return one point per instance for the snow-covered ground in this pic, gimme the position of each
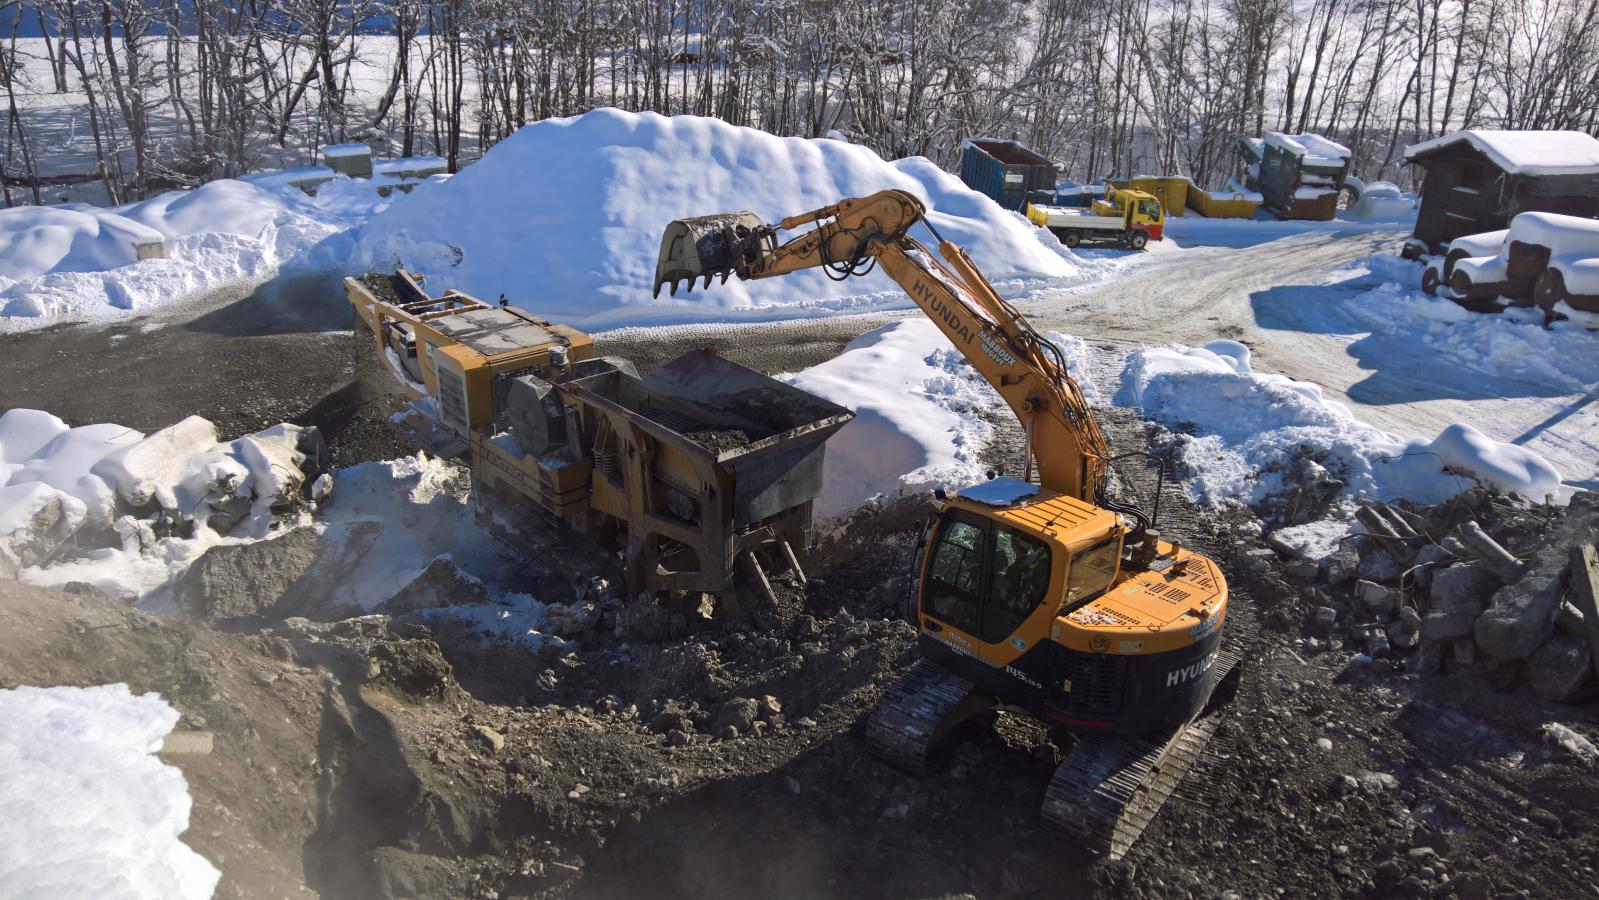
(87, 812)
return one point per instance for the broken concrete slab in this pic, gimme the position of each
(1376, 598)
(1439, 626)
(1340, 565)
(1523, 614)
(1463, 588)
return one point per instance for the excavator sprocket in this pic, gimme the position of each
(918, 711)
(1109, 787)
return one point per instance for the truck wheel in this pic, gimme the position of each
(1071, 237)
(1430, 280)
(1137, 240)
(1548, 291)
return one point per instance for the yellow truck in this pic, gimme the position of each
(1130, 218)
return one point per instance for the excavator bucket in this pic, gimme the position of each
(703, 247)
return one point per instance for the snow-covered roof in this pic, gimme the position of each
(1524, 152)
(1312, 149)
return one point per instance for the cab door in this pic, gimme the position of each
(983, 581)
(955, 579)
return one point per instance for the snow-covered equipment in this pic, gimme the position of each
(1299, 176)
(1542, 259)
(689, 470)
(1130, 218)
(1039, 594)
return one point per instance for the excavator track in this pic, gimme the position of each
(918, 711)
(1110, 787)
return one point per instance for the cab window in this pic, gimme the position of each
(1020, 566)
(955, 579)
(1150, 209)
(1091, 572)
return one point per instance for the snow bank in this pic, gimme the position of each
(80, 262)
(85, 503)
(86, 809)
(918, 416)
(1524, 152)
(565, 217)
(1563, 356)
(1248, 428)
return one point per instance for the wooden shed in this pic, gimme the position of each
(1299, 176)
(1478, 181)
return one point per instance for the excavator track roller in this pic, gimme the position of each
(918, 711)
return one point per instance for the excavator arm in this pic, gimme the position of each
(849, 238)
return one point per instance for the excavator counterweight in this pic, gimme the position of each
(1039, 594)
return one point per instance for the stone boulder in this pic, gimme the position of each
(738, 713)
(292, 574)
(234, 581)
(1560, 668)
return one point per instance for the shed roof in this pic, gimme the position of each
(1523, 152)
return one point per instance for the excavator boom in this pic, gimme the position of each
(850, 237)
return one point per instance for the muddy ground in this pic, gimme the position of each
(378, 757)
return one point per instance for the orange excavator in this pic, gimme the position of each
(1038, 594)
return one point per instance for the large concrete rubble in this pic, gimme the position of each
(1485, 582)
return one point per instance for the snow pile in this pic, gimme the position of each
(1249, 429)
(124, 511)
(36, 240)
(565, 217)
(422, 514)
(86, 809)
(1506, 347)
(1523, 152)
(919, 415)
(1380, 201)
